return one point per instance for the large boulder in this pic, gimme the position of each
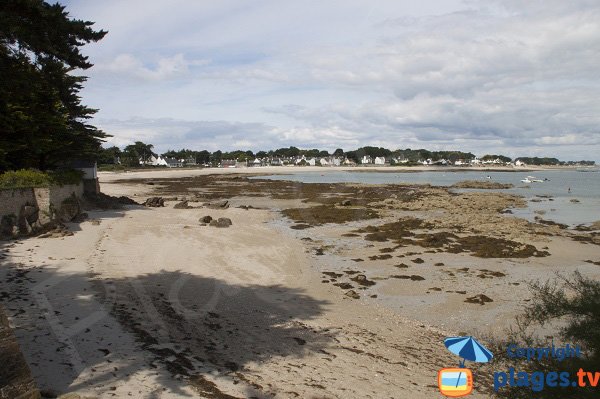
(155, 202)
(221, 222)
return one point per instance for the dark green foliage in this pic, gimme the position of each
(109, 156)
(538, 161)
(134, 153)
(42, 120)
(489, 157)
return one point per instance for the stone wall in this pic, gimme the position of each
(25, 210)
(15, 377)
(11, 201)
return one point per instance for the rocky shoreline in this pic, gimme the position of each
(311, 285)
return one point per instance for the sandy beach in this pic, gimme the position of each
(147, 302)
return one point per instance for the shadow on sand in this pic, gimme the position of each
(181, 331)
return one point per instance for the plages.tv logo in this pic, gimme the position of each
(455, 382)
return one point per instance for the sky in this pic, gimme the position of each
(520, 78)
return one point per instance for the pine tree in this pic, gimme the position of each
(42, 121)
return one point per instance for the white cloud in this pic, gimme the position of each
(164, 68)
(502, 75)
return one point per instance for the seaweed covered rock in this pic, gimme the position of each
(182, 205)
(221, 222)
(154, 202)
(206, 219)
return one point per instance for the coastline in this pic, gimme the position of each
(245, 310)
(142, 173)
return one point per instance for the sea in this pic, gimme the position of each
(568, 196)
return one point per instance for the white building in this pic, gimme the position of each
(379, 160)
(366, 159)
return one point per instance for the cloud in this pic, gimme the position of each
(500, 75)
(129, 66)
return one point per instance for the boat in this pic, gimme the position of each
(532, 179)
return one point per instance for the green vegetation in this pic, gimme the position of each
(538, 161)
(27, 178)
(489, 157)
(573, 304)
(42, 120)
(132, 154)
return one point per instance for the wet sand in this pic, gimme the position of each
(146, 302)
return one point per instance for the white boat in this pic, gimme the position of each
(532, 179)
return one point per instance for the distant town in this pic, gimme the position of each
(142, 154)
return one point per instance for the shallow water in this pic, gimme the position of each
(584, 187)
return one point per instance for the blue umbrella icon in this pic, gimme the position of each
(469, 349)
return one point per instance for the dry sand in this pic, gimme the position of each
(147, 303)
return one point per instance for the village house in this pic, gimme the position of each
(173, 163)
(379, 161)
(366, 159)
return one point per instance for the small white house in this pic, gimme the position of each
(366, 159)
(519, 163)
(323, 162)
(312, 162)
(89, 169)
(379, 160)
(173, 163)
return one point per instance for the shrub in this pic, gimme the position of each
(573, 304)
(28, 178)
(24, 178)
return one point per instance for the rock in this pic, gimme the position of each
(154, 202)
(485, 184)
(224, 204)
(31, 213)
(7, 224)
(205, 219)
(221, 222)
(69, 209)
(362, 280)
(123, 200)
(344, 286)
(182, 205)
(24, 227)
(352, 294)
(103, 201)
(49, 393)
(346, 203)
(480, 299)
